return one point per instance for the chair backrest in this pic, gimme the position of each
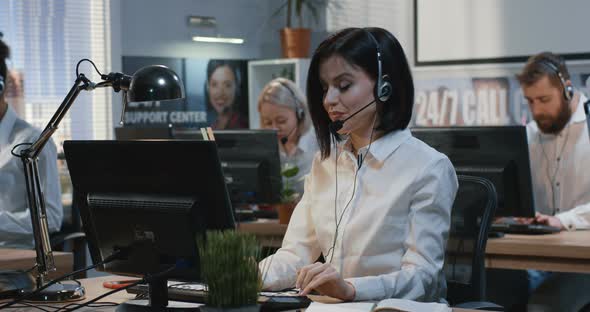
(471, 217)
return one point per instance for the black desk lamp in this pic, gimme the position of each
(150, 83)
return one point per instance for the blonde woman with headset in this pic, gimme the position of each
(282, 106)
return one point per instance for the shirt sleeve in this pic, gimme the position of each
(16, 225)
(577, 218)
(422, 264)
(300, 247)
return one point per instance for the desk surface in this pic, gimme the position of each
(23, 259)
(94, 288)
(560, 252)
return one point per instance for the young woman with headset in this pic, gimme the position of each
(377, 201)
(282, 106)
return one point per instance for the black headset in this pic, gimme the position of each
(568, 90)
(1, 84)
(299, 111)
(383, 88)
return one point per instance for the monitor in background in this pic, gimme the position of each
(151, 199)
(250, 161)
(143, 133)
(499, 154)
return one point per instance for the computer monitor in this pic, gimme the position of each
(151, 199)
(499, 154)
(142, 133)
(249, 158)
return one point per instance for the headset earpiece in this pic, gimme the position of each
(383, 88)
(568, 89)
(1, 84)
(299, 112)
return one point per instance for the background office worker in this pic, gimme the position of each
(559, 147)
(15, 220)
(377, 201)
(558, 143)
(282, 106)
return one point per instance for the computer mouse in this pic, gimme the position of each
(14, 282)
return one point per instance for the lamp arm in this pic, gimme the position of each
(36, 198)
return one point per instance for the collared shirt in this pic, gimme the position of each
(306, 148)
(15, 219)
(561, 185)
(392, 237)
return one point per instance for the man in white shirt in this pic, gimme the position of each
(558, 147)
(15, 219)
(558, 144)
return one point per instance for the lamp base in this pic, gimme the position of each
(144, 306)
(59, 293)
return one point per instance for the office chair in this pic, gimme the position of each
(471, 218)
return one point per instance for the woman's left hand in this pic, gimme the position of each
(323, 278)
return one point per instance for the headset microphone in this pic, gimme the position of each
(336, 125)
(285, 139)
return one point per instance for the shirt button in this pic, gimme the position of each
(558, 210)
(558, 158)
(557, 183)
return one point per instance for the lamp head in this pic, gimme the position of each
(155, 83)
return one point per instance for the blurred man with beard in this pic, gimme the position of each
(559, 150)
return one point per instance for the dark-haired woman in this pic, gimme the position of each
(377, 202)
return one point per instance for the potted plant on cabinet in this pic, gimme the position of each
(295, 41)
(289, 197)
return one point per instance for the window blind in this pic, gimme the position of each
(393, 15)
(47, 38)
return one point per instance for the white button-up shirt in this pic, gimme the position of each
(15, 218)
(561, 184)
(307, 146)
(392, 237)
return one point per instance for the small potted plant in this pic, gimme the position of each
(230, 270)
(289, 197)
(296, 41)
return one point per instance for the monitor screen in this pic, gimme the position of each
(249, 158)
(152, 199)
(499, 154)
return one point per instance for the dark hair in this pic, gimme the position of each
(233, 66)
(357, 48)
(4, 54)
(541, 65)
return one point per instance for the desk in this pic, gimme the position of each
(23, 259)
(560, 252)
(94, 288)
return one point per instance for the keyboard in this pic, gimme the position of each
(517, 228)
(197, 293)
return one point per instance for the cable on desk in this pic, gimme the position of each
(75, 306)
(108, 259)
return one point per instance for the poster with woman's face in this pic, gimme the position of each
(216, 94)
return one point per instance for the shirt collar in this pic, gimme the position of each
(385, 145)
(6, 125)
(579, 115)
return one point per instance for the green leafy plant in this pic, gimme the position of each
(288, 194)
(298, 7)
(229, 268)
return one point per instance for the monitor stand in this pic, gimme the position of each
(158, 300)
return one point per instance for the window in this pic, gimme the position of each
(47, 38)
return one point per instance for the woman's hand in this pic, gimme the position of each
(323, 278)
